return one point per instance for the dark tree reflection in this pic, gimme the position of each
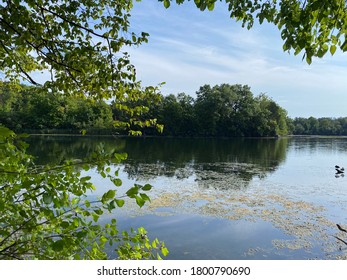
(222, 163)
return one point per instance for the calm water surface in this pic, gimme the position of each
(227, 198)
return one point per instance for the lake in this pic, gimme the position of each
(226, 198)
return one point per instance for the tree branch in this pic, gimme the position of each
(31, 80)
(341, 240)
(340, 228)
(72, 22)
(38, 50)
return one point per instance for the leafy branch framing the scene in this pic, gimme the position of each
(45, 212)
(47, 215)
(79, 41)
(314, 27)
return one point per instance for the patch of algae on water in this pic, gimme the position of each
(304, 222)
(164, 200)
(295, 244)
(222, 190)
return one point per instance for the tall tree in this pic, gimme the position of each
(177, 115)
(207, 107)
(225, 110)
(271, 120)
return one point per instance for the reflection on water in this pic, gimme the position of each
(228, 198)
(211, 160)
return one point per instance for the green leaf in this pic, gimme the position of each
(147, 187)
(120, 202)
(22, 213)
(47, 198)
(5, 132)
(139, 201)
(103, 239)
(58, 245)
(117, 182)
(203, 6)
(145, 197)
(109, 195)
(210, 6)
(81, 234)
(85, 179)
(98, 211)
(166, 4)
(86, 167)
(111, 206)
(344, 46)
(75, 223)
(132, 192)
(87, 203)
(120, 157)
(64, 224)
(164, 251)
(95, 217)
(332, 49)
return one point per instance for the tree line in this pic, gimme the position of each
(25, 108)
(219, 111)
(319, 126)
(223, 111)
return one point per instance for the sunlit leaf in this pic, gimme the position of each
(164, 251)
(166, 3)
(120, 202)
(332, 49)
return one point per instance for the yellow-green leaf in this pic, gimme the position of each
(332, 49)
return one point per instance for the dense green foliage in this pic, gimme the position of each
(319, 126)
(312, 26)
(222, 110)
(29, 108)
(78, 42)
(45, 211)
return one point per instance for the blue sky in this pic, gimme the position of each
(188, 48)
